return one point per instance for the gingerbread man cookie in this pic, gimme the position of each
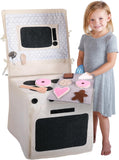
(80, 96)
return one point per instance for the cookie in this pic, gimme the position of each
(59, 92)
(86, 76)
(43, 82)
(65, 82)
(80, 96)
(83, 84)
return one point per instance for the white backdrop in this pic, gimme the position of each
(9, 146)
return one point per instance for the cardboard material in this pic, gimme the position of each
(23, 116)
(33, 119)
(45, 58)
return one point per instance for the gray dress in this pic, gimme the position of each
(95, 55)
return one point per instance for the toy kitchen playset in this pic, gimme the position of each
(50, 108)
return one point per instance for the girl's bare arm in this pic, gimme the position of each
(80, 58)
(111, 59)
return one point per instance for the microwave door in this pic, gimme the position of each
(36, 37)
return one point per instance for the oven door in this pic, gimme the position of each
(61, 132)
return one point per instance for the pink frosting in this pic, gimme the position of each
(59, 92)
(83, 83)
(43, 82)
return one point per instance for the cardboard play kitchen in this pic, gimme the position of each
(50, 108)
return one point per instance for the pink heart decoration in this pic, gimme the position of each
(59, 92)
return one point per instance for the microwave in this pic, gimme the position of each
(32, 37)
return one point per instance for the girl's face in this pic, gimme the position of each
(98, 20)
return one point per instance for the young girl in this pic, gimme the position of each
(97, 52)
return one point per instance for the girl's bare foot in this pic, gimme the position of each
(106, 148)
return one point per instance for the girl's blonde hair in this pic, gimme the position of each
(90, 9)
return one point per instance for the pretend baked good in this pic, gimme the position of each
(68, 75)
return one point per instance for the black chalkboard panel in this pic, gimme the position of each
(36, 37)
(61, 132)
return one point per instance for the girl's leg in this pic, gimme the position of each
(104, 126)
(95, 122)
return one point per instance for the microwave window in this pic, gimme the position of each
(36, 37)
